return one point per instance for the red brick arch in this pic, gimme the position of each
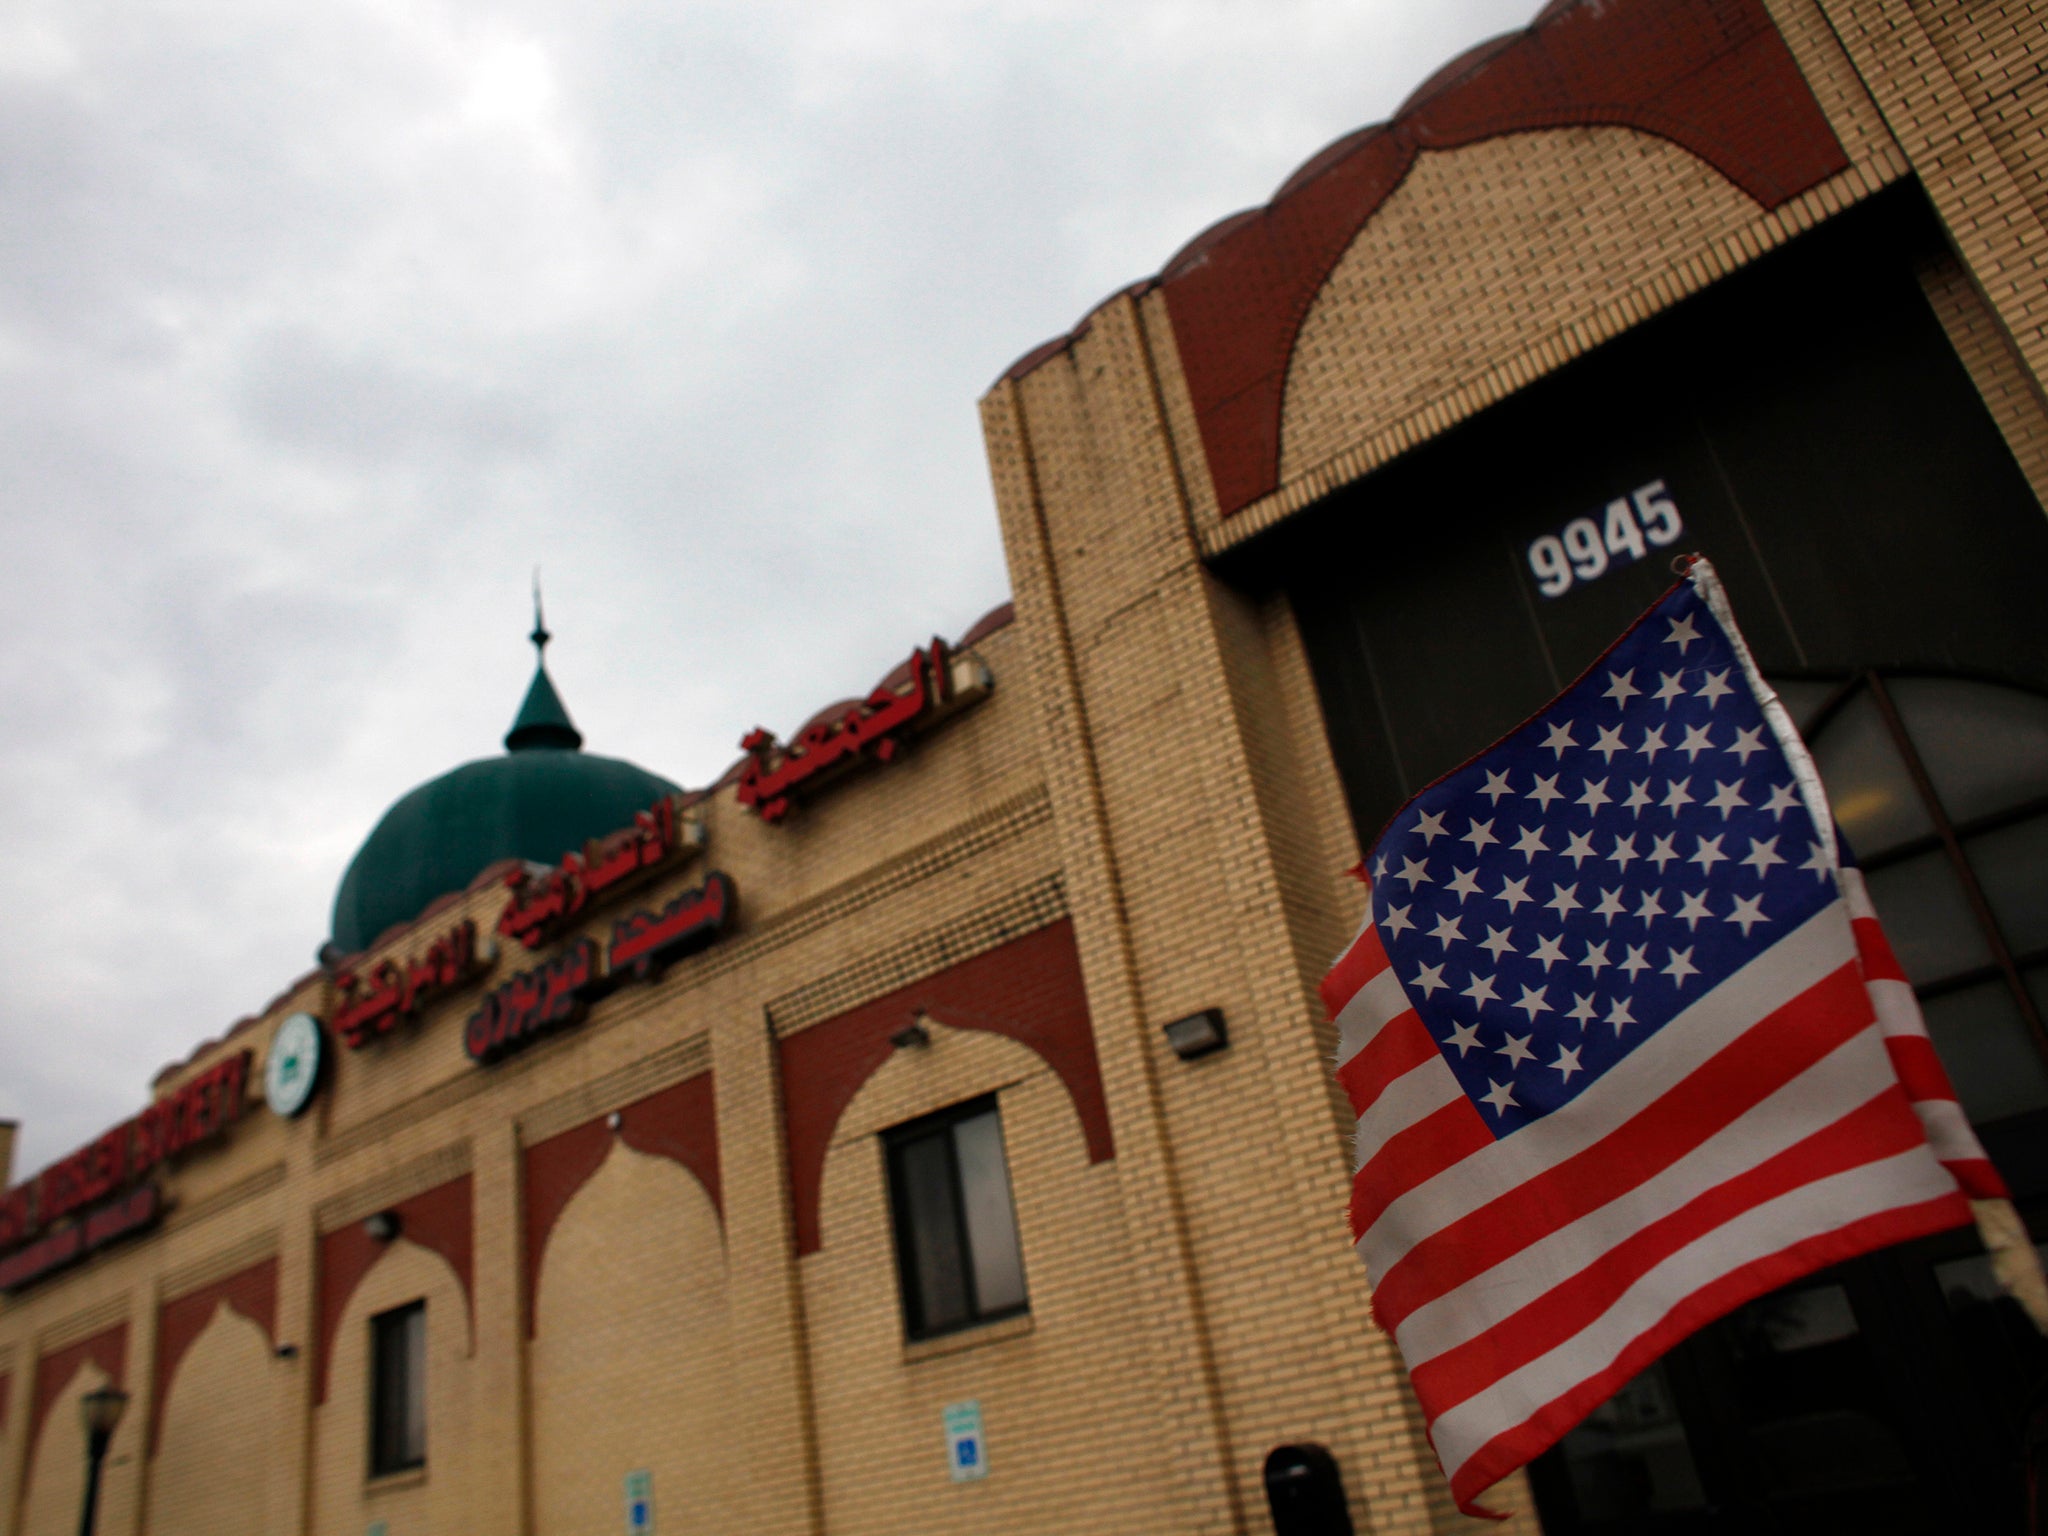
(1711, 76)
(679, 1123)
(251, 1292)
(1029, 990)
(438, 1219)
(108, 1350)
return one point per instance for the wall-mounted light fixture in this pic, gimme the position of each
(382, 1227)
(286, 1352)
(614, 1121)
(912, 1036)
(1198, 1034)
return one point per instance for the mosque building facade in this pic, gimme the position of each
(929, 1126)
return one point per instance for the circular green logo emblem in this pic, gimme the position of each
(293, 1070)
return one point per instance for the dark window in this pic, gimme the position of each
(398, 1389)
(956, 1230)
(1940, 785)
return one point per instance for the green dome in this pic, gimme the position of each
(543, 798)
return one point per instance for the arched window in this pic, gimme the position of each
(1941, 786)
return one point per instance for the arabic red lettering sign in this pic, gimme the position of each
(542, 906)
(534, 1003)
(870, 731)
(197, 1112)
(394, 991)
(648, 941)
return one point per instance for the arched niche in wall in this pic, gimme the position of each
(679, 1123)
(1029, 989)
(439, 1220)
(631, 1354)
(207, 1471)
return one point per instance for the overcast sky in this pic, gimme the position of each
(322, 324)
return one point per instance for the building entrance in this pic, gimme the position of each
(1809, 426)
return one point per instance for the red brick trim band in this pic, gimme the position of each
(679, 1123)
(107, 1350)
(251, 1292)
(438, 1219)
(1029, 989)
(1712, 76)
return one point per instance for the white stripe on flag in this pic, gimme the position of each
(1853, 1073)
(1794, 1217)
(1371, 1008)
(1816, 949)
(1415, 1094)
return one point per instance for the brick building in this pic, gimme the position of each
(890, 1153)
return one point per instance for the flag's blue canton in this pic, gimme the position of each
(1555, 903)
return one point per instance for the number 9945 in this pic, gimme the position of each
(1587, 548)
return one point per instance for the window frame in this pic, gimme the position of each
(398, 1400)
(913, 1305)
(1947, 837)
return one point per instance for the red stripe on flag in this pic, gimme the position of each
(1875, 950)
(1748, 1069)
(1403, 1044)
(1550, 1423)
(1365, 959)
(1979, 1179)
(1913, 1059)
(1879, 1129)
(1437, 1141)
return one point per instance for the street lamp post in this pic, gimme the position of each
(101, 1409)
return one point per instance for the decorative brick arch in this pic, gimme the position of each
(252, 1292)
(679, 1123)
(107, 1350)
(1712, 76)
(438, 1219)
(1029, 990)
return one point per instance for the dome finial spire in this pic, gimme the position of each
(542, 721)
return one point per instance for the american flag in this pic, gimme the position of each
(1626, 1045)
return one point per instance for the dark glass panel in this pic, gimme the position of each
(1985, 747)
(2011, 865)
(1928, 918)
(929, 1232)
(1630, 1457)
(398, 1402)
(1869, 789)
(1812, 1402)
(1990, 1056)
(991, 1216)
(1804, 698)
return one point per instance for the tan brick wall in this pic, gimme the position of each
(1070, 1441)
(442, 1496)
(1998, 54)
(1203, 839)
(631, 1358)
(2012, 396)
(208, 1475)
(1952, 83)
(1482, 254)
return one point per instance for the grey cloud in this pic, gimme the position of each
(319, 326)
